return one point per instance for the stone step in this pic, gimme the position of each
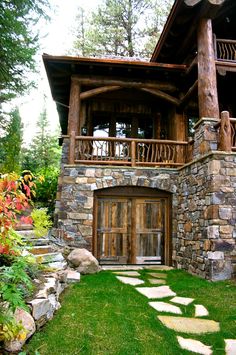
(50, 257)
(41, 249)
(37, 241)
(23, 227)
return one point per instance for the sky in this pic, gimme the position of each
(56, 39)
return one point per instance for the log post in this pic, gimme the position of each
(72, 148)
(133, 153)
(207, 86)
(74, 109)
(225, 132)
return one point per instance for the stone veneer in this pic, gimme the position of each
(206, 216)
(203, 205)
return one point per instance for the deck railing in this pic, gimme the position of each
(225, 49)
(127, 151)
(227, 132)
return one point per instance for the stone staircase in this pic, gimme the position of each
(47, 253)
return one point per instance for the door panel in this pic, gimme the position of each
(150, 227)
(132, 230)
(113, 229)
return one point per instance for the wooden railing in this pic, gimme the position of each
(127, 151)
(227, 132)
(225, 49)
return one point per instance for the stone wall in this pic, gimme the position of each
(203, 204)
(206, 216)
(74, 206)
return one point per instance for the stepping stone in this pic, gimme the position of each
(130, 280)
(156, 292)
(200, 311)
(190, 325)
(158, 267)
(157, 275)
(165, 307)
(182, 300)
(195, 346)
(230, 346)
(127, 273)
(157, 282)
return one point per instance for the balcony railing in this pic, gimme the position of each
(127, 151)
(225, 49)
(227, 132)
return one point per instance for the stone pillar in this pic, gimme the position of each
(205, 137)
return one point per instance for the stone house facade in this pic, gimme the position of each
(134, 187)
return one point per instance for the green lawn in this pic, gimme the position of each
(100, 315)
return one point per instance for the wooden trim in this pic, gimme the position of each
(72, 148)
(162, 95)
(74, 108)
(90, 93)
(100, 81)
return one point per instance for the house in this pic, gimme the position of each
(148, 172)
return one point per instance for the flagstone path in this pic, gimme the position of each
(180, 324)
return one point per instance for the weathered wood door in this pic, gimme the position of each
(132, 230)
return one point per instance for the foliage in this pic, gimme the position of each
(11, 143)
(12, 201)
(14, 285)
(41, 221)
(121, 28)
(9, 328)
(18, 43)
(46, 190)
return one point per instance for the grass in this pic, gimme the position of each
(100, 315)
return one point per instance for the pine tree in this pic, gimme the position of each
(121, 28)
(10, 144)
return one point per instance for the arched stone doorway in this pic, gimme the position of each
(132, 225)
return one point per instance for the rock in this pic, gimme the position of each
(230, 346)
(157, 281)
(156, 292)
(128, 273)
(195, 346)
(29, 328)
(130, 280)
(200, 311)
(165, 307)
(83, 261)
(40, 307)
(190, 325)
(182, 300)
(73, 276)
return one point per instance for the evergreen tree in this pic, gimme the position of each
(11, 142)
(43, 153)
(121, 28)
(18, 43)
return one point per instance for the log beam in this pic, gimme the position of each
(74, 108)
(97, 81)
(162, 95)
(94, 92)
(207, 86)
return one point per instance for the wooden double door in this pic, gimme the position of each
(132, 228)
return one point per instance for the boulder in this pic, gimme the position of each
(28, 323)
(83, 261)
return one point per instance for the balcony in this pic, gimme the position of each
(128, 151)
